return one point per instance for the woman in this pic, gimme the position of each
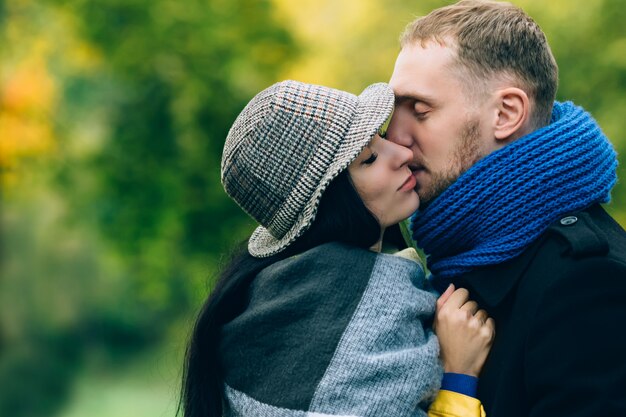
(310, 318)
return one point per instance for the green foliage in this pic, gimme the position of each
(133, 217)
(176, 74)
(592, 68)
(114, 234)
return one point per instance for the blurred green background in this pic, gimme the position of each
(112, 119)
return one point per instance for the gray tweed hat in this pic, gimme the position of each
(287, 145)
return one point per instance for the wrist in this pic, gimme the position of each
(448, 369)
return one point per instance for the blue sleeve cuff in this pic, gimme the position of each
(461, 383)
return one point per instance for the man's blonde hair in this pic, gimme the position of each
(493, 41)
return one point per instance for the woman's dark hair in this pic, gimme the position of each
(341, 217)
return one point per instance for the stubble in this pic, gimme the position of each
(465, 155)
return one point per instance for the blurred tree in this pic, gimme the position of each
(348, 44)
(112, 121)
(588, 40)
(175, 76)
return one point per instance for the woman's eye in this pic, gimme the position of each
(371, 159)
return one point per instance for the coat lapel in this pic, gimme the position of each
(490, 285)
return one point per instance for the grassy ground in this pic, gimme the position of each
(146, 386)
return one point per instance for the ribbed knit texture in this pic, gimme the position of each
(382, 358)
(387, 362)
(506, 200)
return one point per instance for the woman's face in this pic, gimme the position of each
(384, 181)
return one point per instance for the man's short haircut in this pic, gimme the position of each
(493, 41)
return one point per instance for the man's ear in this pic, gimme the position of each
(512, 114)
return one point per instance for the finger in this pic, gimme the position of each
(491, 324)
(458, 298)
(470, 306)
(489, 330)
(482, 316)
(446, 294)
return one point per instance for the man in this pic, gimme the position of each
(510, 184)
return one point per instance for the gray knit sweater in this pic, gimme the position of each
(335, 331)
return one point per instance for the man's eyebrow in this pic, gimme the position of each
(403, 98)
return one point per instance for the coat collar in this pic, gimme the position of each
(492, 283)
(580, 238)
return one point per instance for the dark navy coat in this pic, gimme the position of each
(560, 312)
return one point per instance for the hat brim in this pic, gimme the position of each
(374, 106)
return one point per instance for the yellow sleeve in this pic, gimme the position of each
(453, 404)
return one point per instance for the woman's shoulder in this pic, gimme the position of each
(326, 266)
(338, 270)
(336, 251)
(338, 261)
(339, 254)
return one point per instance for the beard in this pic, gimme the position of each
(465, 155)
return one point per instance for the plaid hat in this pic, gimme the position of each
(287, 145)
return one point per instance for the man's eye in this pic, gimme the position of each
(371, 159)
(420, 110)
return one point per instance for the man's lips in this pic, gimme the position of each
(415, 171)
(416, 167)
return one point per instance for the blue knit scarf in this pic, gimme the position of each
(507, 199)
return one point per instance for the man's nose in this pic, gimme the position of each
(402, 155)
(397, 132)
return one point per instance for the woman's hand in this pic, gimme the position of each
(465, 332)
